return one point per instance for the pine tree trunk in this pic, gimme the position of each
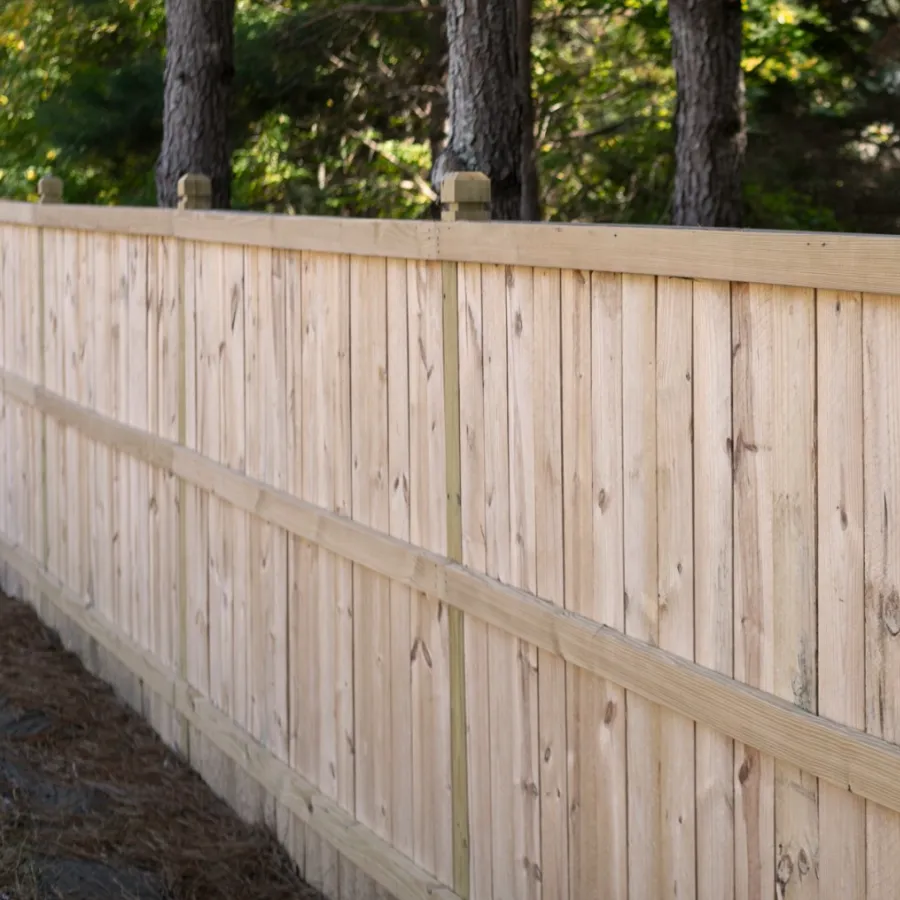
(531, 204)
(489, 100)
(198, 78)
(710, 130)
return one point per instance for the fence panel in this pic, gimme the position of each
(881, 478)
(21, 511)
(237, 466)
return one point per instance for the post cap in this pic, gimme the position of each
(466, 197)
(194, 192)
(466, 187)
(50, 189)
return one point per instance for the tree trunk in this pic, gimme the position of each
(710, 129)
(198, 77)
(489, 100)
(530, 210)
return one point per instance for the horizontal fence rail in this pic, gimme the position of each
(476, 578)
(793, 258)
(845, 757)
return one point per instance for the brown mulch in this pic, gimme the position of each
(94, 805)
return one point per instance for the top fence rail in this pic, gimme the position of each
(858, 263)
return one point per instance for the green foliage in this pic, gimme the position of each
(335, 109)
(604, 94)
(82, 96)
(339, 107)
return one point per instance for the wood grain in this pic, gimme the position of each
(713, 577)
(754, 577)
(639, 448)
(795, 258)
(675, 481)
(266, 406)
(474, 549)
(163, 336)
(550, 555)
(195, 551)
(52, 352)
(521, 678)
(101, 482)
(881, 428)
(865, 764)
(670, 532)
(300, 557)
(794, 571)
(594, 707)
(371, 506)
(217, 347)
(429, 654)
(841, 585)
(459, 763)
(7, 312)
(324, 694)
(318, 812)
(401, 715)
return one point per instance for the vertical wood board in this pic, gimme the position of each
(841, 567)
(431, 763)
(713, 577)
(675, 591)
(370, 491)
(881, 473)
(522, 345)
(639, 440)
(754, 623)
(472, 481)
(549, 566)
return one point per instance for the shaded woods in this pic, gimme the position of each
(342, 107)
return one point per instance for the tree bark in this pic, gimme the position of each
(489, 101)
(198, 78)
(530, 203)
(710, 125)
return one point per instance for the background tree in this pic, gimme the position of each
(339, 107)
(531, 198)
(197, 97)
(489, 100)
(710, 135)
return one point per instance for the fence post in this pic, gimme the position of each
(465, 196)
(194, 192)
(50, 191)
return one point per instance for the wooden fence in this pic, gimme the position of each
(480, 560)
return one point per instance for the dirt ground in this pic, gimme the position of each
(94, 806)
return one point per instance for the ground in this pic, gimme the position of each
(93, 806)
